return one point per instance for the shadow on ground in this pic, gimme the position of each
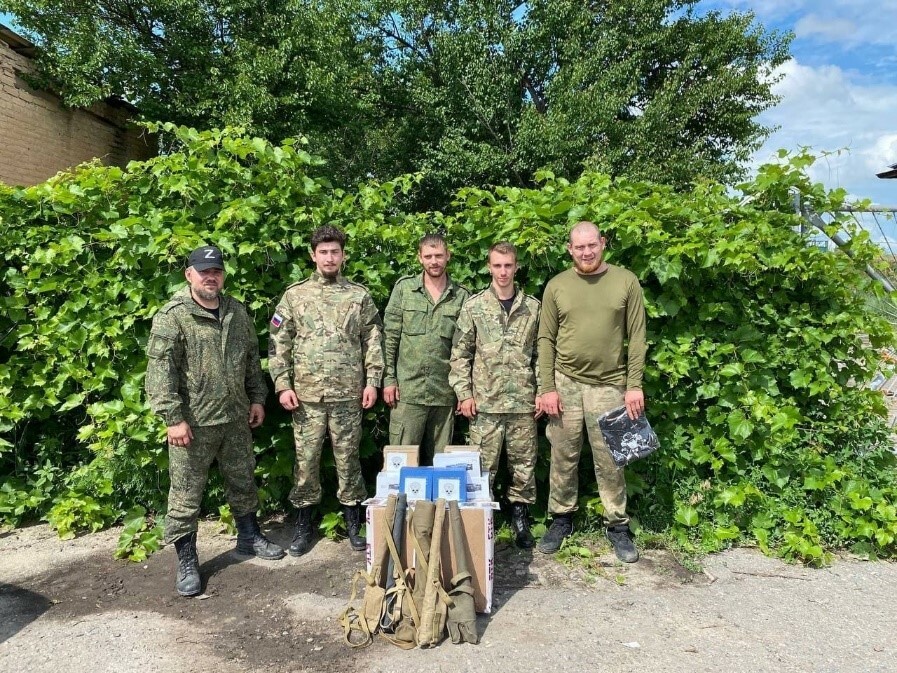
(18, 608)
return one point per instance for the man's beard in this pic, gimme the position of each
(587, 267)
(207, 294)
(330, 275)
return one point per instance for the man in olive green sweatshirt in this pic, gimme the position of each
(591, 358)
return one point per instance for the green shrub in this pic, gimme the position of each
(755, 364)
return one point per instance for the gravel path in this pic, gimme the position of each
(68, 606)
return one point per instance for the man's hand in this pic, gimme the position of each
(635, 403)
(540, 410)
(391, 396)
(256, 415)
(467, 408)
(180, 434)
(288, 399)
(552, 405)
(368, 397)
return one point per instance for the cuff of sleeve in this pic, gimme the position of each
(173, 418)
(547, 389)
(374, 381)
(259, 401)
(281, 384)
(633, 385)
(390, 381)
(464, 394)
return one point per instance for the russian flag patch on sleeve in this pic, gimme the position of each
(277, 320)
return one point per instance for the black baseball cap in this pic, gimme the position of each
(206, 257)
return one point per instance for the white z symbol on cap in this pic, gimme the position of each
(210, 254)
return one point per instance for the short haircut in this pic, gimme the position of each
(433, 239)
(502, 248)
(579, 226)
(327, 234)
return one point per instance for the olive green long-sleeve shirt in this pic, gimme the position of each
(325, 340)
(418, 340)
(494, 353)
(592, 329)
(203, 370)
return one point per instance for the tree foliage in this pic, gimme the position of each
(755, 368)
(468, 93)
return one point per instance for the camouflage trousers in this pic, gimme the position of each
(310, 423)
(428, 427)
(583, 404)
(188, 467)
(518, 433)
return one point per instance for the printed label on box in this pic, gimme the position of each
(397, 456)
(478, 489)
(460, 460)
(387, 482)
(449, 488)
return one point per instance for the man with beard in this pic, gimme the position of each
(326, 360)
(591, 359)
(419, 323)
(204, 379)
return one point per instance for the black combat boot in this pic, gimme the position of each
(561, 528)
(520, 525)
(302, 538)
(621, 538)
(251, 541)
(352, 514)
(188, 582)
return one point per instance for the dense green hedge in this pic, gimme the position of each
(755, 347)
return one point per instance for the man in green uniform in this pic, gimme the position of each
(204, 379)
(591, 359)
(419, 323)
(493, 373)
(326, 359)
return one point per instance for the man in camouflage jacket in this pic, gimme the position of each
(326, 359)
(204, 379)
(419, 323)
(493, 373)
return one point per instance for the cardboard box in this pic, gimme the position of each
(478, 490)
(416, 482)
(479, 541)
(455, 448)
(449, 484)
(387, 483)
(395, 457)
(460, 460)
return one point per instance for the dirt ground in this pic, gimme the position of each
(70, 606)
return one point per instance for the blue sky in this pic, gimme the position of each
(839, 92)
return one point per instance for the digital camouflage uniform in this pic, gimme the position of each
(205, 372)
(494, 361)
(417, 346)
(326, 346)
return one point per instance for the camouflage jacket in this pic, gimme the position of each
(494, 353)
(325, 340)
(418, 340)
(202, 370)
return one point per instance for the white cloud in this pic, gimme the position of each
(850, 24)
(830, 109)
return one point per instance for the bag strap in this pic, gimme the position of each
(400, 576)
(352, 620)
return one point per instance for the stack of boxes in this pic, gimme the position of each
(456, 474)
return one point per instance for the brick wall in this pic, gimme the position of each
(40, 137)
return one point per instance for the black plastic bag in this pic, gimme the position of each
(627, 440)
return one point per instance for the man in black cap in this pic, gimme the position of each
(205, 380)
